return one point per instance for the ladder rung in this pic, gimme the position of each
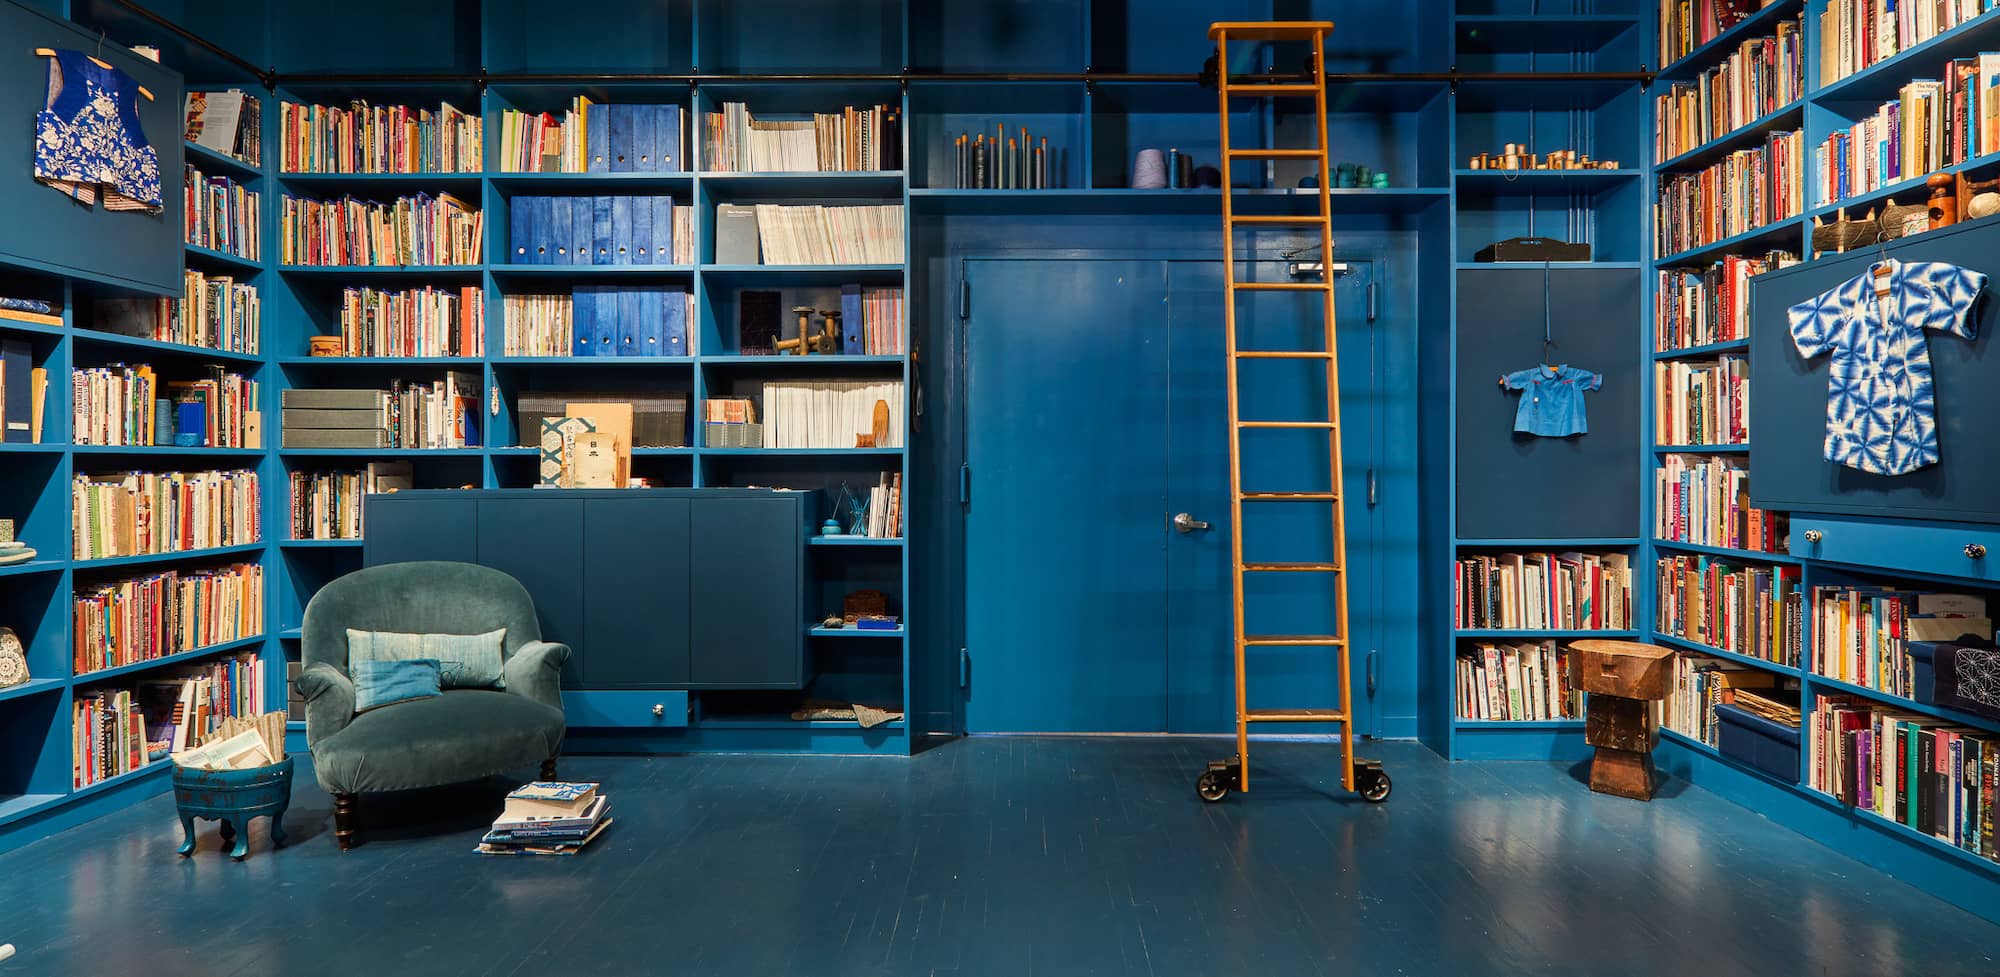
(1291, 568)
(1292, 640)
(1282, 354)
(1280, 286)
(1313, 425)
(1290, 497)
(1272, 152)
(1272, 89)
(1291, 219)
(1294, 716)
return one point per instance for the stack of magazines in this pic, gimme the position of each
(548, 818)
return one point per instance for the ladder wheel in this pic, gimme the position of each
(1212, 786)
(1372, 783)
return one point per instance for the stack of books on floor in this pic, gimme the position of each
(548, 818)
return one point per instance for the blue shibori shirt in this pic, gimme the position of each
(1881, 410)
(1552, 399)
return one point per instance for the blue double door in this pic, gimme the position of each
(1096, 412)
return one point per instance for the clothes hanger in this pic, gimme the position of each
(100, 62)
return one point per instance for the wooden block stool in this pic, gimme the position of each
(1623, 678)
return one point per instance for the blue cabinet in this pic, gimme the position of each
(653, 590)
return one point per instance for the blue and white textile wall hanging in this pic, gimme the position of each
(88, 138)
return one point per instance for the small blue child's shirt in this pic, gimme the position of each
(1552, 399)
(1881, 404)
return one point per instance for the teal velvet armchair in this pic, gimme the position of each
(460, 736)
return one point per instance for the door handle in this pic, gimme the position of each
(1187, 523)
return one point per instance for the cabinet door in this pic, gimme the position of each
(540, 543)
(635, 593)
(402, 528)
(748, 630)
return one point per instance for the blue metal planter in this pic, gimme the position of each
(234, 797)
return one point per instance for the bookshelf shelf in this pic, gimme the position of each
(632, 361)
(1683, 644)
(1523, 724)
(14, 807)
(213, 163)
(184, 657)
(765, 275)
(1879, 81)
(291, 634)
(1536, 266)
(1538, 633)
(24, 326)
(803, 452)
(1754, 556)
(1500, 183)
(400, 182)
(113, 562)
(320, 544)
(33, 566)
(559, 182)
(814, 184)
(1691, 352)
(381, 452)
(1196, 200)
(815, 361)
(1896, 829)
(1911, 705)
(33, 686)
(42, 448)
(166, 451)
(584, 272)
(91, 337)
(381, 271)
(1788, 234)
(211, 258)
(861, 541)
(854, 633)
(1701, 449)
(1689, 742)
(152, 769)
(439, 361)
(1761, 23)
(1583, 542)
(1784, 117)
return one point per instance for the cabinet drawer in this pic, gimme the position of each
(1948, 549)
(630, 710)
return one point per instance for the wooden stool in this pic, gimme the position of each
(1622, 677)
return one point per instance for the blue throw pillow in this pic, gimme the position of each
(466, 661)
(379, 683)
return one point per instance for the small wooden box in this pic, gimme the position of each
(1623, 668)
(1621, 724)
(1626, 773)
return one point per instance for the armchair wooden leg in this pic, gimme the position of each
(346, 827)
(549, 769)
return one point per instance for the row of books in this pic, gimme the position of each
(1857, 33)
(230, 122)
(1700, 306)
(1701, 683)
(865, 139)
(1705, 500)
(731, 422)
(620, 230)
(1519, 681)
(593, 137)
(1862, 635)
(214, 312)
(1760, 76)
(426, 321)
(831, 413)
(127, 405)
(1756, 611)
(1688, 24)
(1748, 189)
(364, 138)
(1930, 125)
(1926, 774)
(1545, 591)
(139, 513)
(419, 230)
(600, 320)
(1702, 402)
(885, 513)
(221, 215)
(816, 235)
(880, 312)
(130, 621)
(118, 731)
(440, 414)
(327, 505)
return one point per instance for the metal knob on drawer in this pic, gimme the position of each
(1975, 551)
(659, 709)
(1814, 536)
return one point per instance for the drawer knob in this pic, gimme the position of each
(1975, 551)
(1814, 536)
(659, 709)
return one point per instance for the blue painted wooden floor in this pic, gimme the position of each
(998, 857)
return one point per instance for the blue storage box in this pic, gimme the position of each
(1751, 739)
(1962, 675)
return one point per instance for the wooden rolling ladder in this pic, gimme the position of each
(1364, 776)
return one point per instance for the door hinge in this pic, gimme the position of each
(964, 668)
(1373, 309)
(1371, 488)
(964, 298)
(1373, 654)
(965, 485)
